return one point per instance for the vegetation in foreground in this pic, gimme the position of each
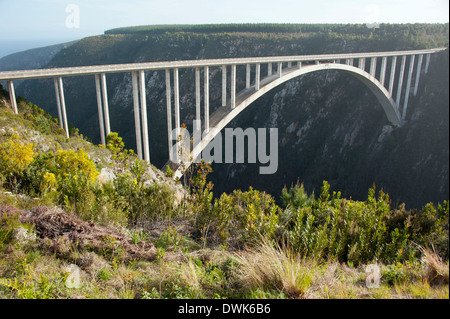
(135, 235)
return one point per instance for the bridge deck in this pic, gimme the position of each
(129, 67)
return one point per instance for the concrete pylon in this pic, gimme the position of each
(136, 109)
(99, 109)
(63, 106)
(12, 97)
(143, 100)
(169, 115)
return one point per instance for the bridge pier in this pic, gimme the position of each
(140, 114)
(233, 86)
(408, 86)
(144, 115)
(58, 103)
(12, 97)
(427, 63)
(99, 109)
(362, 64)
(169, 111)
(206, 97)
(247, 76)
(137, 120)
(269, 69)
(257, 76)
(400, 81)
(392, 77)
(373, 67)
(105, 104)
(176, 97)
(224, 85)
(419, 67)
(383, 70)
(63, 105)
(280, 69)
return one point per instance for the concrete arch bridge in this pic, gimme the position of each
(391, 86)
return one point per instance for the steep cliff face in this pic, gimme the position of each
(330, 125)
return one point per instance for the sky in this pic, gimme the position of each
(56, 21)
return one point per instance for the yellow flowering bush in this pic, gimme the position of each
(15, 156)
(69, 162)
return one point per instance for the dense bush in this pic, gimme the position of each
(359, 232)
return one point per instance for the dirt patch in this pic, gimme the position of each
(55, 224)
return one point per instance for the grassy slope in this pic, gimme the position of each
(181, 267)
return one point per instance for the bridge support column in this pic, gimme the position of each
(176, 97)
(408, 86)
(58, 102)
(144, 116)
(198, 101)
(224, 85)
(427, 63)
(206, 97)
(419, 67)
(99, 109)
(63, 105)
(233, 86)
(383, 70)
(137, 120)
(257, 76)
(105, 104)
(400, 81)
(247, 76)
(392, 77)
(169, 113)
(289, 65)
(269, 69)
(12, 97)
(280, 69)
(299, 64)
(373, 66)
(362, 64)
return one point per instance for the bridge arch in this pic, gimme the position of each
(224, 115)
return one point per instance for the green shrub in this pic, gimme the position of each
(240, 217)
(295, 197)
(357, 232)
(141, 201)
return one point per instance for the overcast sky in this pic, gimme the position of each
(73, 19)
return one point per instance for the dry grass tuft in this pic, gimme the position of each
(436, 270)
(269, 266)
